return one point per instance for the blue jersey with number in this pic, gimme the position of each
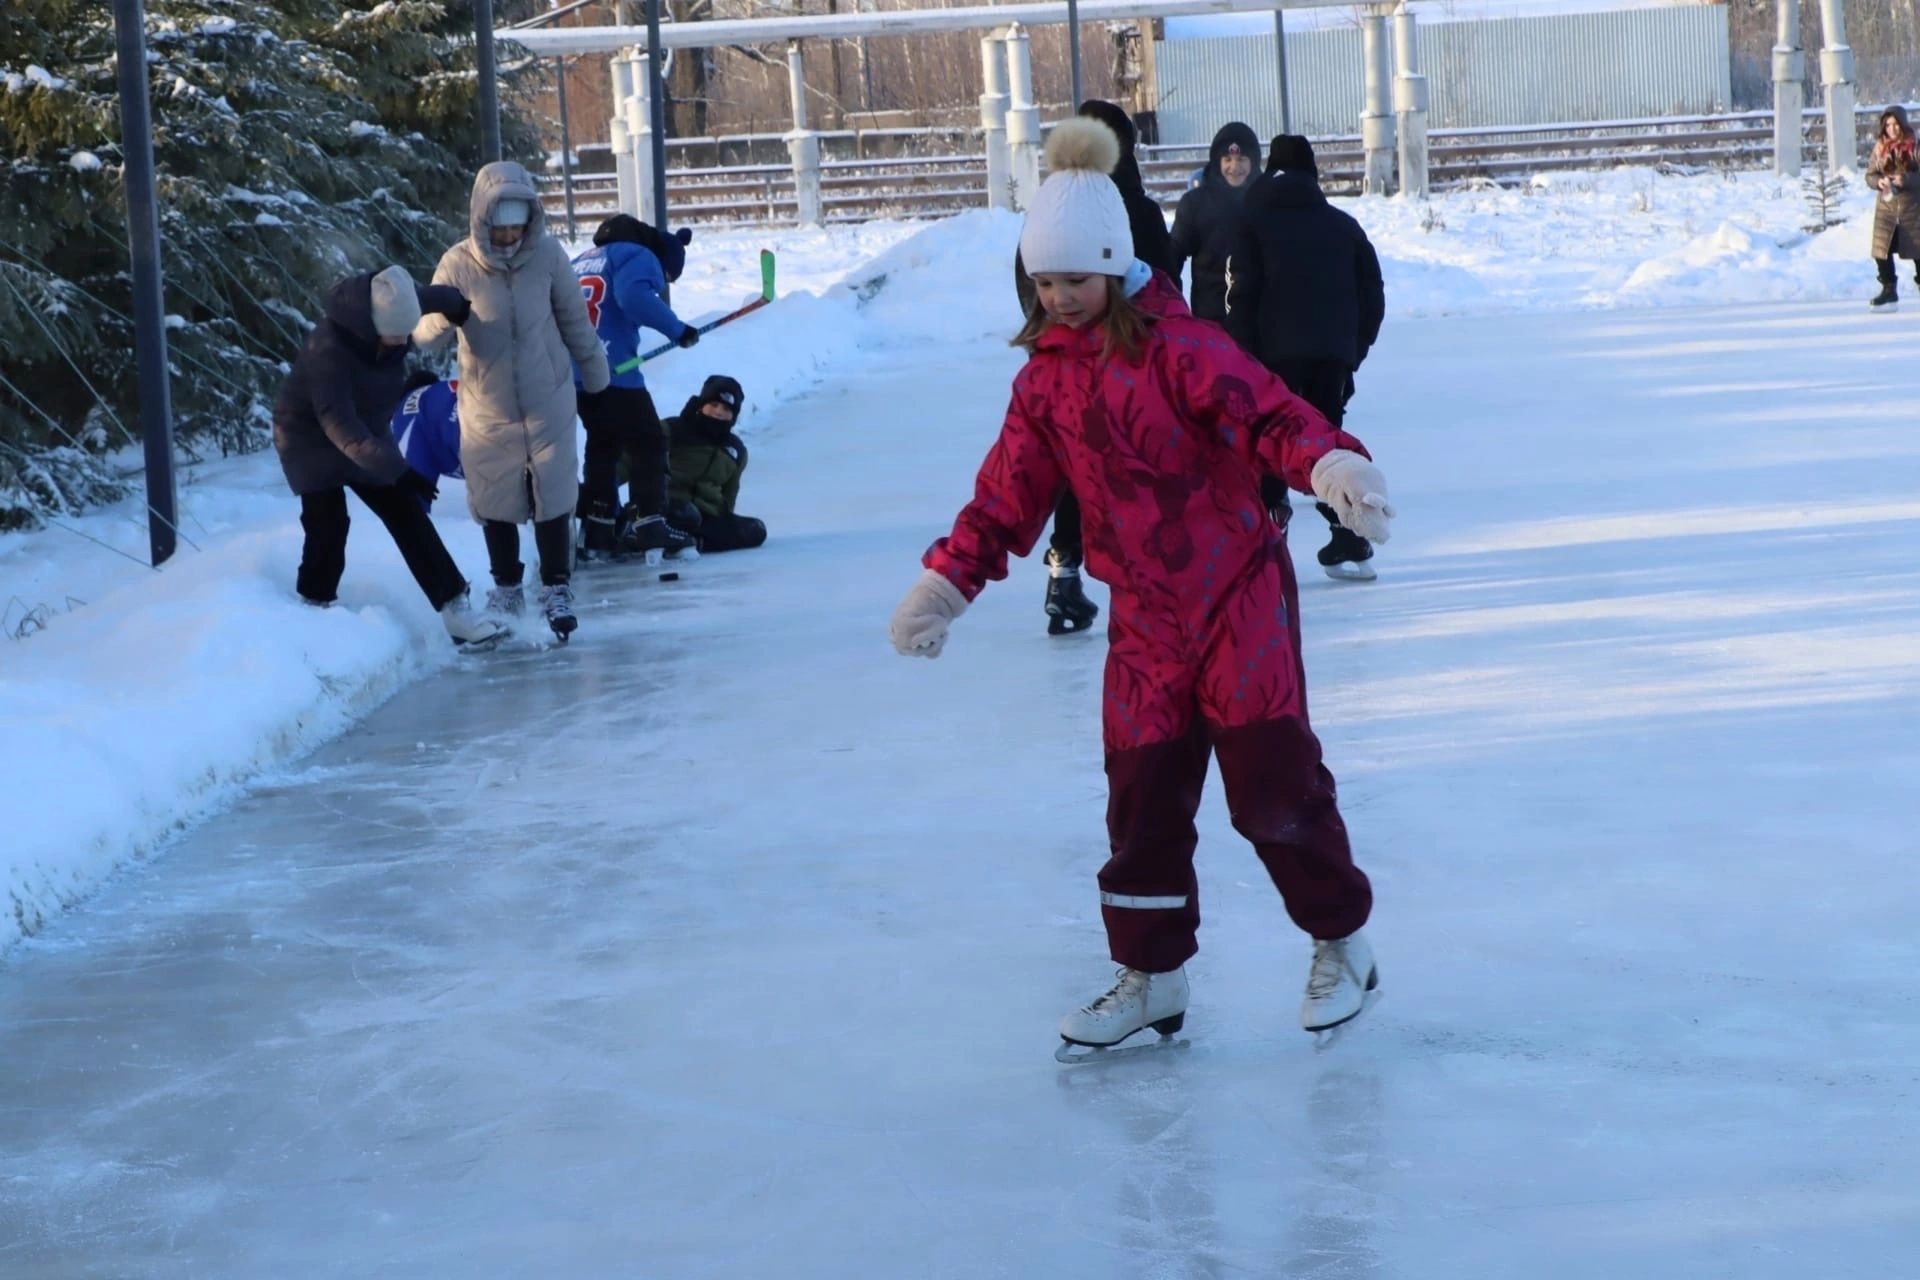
(622, 282)
(427, 428)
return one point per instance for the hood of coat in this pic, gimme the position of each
(1287, 189)
(1126, 174)
(1159, 300)
(504, 180)
(350, 312)
(1238, 135)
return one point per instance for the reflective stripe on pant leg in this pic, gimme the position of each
(1149, 898)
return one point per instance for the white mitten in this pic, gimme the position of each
(1356, 491)
(919, 626)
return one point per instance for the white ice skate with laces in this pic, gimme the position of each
(1342, 978)
(1136, 1001)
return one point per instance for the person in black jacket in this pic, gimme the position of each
(1067, 606)
(330, 428)
(1206, 223)
(1305, 298)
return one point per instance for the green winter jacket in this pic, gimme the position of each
(706, 461)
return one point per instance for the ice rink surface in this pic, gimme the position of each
(724, 943)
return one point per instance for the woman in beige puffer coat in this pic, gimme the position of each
(528, 329)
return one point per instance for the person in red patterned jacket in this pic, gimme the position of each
(1163, 426)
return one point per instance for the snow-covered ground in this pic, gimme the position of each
(150, 698)
(726, 943)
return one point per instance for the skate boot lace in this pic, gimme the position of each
(559, 599)
(1130, 980)
(1329, 968)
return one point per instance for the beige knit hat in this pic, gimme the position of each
(1078, 222)
(396, 303)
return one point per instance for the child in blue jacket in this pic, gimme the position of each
(427, 428)
(623, 277)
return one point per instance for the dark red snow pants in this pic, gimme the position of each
(1237, 690)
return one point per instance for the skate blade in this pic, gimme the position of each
(1884, 309)
(1351, 571)
(655, 557)
(1060, 624)
(1325, 1038)
(1073, 1054)
(487, 645)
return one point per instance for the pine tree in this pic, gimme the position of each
(296, 142)
(1824, 189)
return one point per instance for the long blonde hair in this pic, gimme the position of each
(1123, 325)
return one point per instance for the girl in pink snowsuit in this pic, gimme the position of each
(1163, 426)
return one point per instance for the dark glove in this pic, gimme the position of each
(689, 337)
(419, 486)
(460, 311)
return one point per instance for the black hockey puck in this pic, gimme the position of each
(669, 576)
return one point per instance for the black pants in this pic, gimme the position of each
(730, 533)
(552, 538)
(623, 420)
(324, 558)
(1068, 547)
(1327, 385)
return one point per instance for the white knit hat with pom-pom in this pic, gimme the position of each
(1078, 224)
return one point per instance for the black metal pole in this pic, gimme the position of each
(657, 114)
(1280, 53)
(143, 247)
(566, 145)
(1073, 50)
(489, 81)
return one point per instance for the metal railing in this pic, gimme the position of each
(932, 186)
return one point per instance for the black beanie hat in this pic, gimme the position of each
(671, 250)
(720, 389)
(1292, 153)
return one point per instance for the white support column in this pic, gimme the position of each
(1836, 72)
(993, 121)
(1023, 119)
(1789, 92)
(802, 144)
(1410, 103)
(640, 140)
(629, 190)
(1376, 116)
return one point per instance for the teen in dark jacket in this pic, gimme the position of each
(1207, 221)
(708, 460)
(330, 430)
(1305, 298)
(1152, 242)
(1067, 606)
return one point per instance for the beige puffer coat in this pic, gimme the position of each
(517, 351)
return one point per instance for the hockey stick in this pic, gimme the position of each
(766, 296)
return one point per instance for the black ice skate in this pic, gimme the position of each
(556, 603)
(654, 539)
(1888, 299)
(1068, 609)
(599, 538)
(1346, 557)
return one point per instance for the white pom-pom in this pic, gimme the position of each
(1082, 143)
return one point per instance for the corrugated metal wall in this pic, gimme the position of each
(1574, 67)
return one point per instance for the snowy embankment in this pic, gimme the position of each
(138, 700)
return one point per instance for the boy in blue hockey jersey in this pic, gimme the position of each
(623, 276)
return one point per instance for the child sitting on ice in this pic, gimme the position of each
(1163, 427)
(706, 463)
